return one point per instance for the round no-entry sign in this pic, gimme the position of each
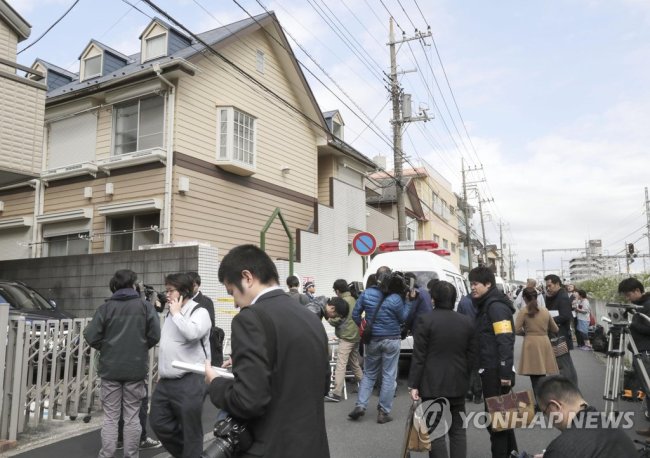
(364, 243)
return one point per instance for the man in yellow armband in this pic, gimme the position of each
(496, 339)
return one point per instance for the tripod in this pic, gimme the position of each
(619, 339)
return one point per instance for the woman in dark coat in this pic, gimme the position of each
(444, 349)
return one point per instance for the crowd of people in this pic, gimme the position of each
(463, 349)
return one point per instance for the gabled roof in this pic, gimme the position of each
(56, 69)
(19, 25)
(105, 48)
(329, 114)
(165, 25)
(212, 38)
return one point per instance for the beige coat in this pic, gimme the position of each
(537, 356)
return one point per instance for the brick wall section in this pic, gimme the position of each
(79, 284)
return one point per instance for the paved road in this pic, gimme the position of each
(367, 439)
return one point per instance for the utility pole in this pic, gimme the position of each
(647, 215)
(501, 245)
(511, 267)
(480, 209)
(468, 226)
(400, 117)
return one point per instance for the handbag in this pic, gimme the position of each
(416, 437)
(367, 330)
(592, 319)
(560, 346)
(512, 410)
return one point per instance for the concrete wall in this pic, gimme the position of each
(79, 284)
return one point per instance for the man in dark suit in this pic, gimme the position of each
(558, 304)
(216, 334)
(280, 362)
(444, 350)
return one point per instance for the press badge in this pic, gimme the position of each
(502, 327)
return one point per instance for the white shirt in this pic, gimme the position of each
(264, 291)
(181, 338)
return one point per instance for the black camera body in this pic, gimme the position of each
(394, 283)
(231, 437)
(151, 295)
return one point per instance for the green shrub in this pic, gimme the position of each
(606, 288)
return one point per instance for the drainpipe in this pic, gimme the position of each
(166, 222)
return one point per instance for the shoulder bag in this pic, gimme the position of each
(367, 330)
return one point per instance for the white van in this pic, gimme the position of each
(426, 266)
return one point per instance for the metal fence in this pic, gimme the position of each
(49, 372)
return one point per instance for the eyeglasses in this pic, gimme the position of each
(169, 291)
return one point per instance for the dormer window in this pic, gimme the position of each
(155, 46)
(92, 66)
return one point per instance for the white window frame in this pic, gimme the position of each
(85, 66)
(260, 61)
(137, 146)
(148, 56)
(229, 155)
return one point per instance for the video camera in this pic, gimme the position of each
(151, 295)
(231, 438)
(393, 283)
(619, 313)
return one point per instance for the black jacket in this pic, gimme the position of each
(495, 329)
(562, 303)
(599, 442)
(280, 400)
(444, 348)
(207, 304)
(640, 328)
(123, 329)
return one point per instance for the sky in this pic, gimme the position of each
(550, 100)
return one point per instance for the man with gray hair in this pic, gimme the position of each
(530, 283)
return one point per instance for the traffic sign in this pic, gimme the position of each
(364, 243)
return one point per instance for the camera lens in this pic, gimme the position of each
(219, 448)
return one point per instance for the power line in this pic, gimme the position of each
(391, 15)
(49, 28)
(407, 15)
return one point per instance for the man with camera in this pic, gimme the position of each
(280, 362)
(634, 292)
(384, 310)
(123, 329)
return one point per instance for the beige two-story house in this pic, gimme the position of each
(22, 105)
(194, 138)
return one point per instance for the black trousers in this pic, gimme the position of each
(457, 433)
(503, 442)
(176, 407)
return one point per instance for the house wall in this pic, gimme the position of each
(283, 136)
(8, 43)
(138, 185)
(326, 169)
(226, 211)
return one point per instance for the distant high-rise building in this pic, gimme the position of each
(593, 264)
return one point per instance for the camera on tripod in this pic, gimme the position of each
(230, 438)
(619, 313)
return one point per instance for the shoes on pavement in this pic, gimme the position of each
(585, 348)
(478, 399)
(469, 396)
(383, 417)
(356, 413)
(149, 443)
(331, 397)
